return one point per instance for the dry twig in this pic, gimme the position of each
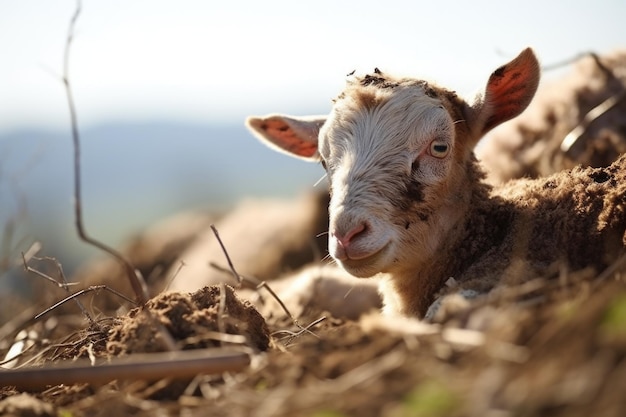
(258, 284)
(152, 366)
(78, 294)
(65, 285)
(136, 280)
(292, 335)
(238, 277)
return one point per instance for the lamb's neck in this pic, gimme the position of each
(411, 291)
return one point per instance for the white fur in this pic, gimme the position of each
(364, 150)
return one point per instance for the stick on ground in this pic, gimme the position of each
(148, 366)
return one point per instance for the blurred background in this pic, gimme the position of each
(162, 89)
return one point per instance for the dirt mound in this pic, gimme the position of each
(192, 320)
(550, 348)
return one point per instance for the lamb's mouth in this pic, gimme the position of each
(368, 266)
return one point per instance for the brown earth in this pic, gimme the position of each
(544, 349)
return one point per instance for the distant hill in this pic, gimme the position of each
(134, 174)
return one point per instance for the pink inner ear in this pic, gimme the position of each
(511, 88)
(286, 138)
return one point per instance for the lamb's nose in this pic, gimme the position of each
(344, 240)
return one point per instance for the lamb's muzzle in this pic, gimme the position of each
(408, 200)
(344, 247)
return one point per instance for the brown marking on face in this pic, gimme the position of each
(367, 98)
(412, 198)
(414, 191)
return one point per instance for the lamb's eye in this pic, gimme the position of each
(323, 162)
(438, 149)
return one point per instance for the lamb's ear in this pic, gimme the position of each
(509, 91)
(296, 136)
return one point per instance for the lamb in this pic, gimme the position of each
(410, 203)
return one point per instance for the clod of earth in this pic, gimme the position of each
(193, 320)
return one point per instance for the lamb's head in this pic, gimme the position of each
(398, 153)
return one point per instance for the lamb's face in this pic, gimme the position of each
(388, 151)
(399, 158)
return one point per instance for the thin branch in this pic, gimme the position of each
(596, 58)
(148, 366)
(136, 280)
(247, 282)
(568, 145)
(78, 294)
(566, 62)
(230, 262)
(181, 265)
(269, 289)
(292, 335)
(65, 285)
(256, 282)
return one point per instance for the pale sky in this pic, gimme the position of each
(218, 61)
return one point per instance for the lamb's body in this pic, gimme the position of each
(527, 229)
(409, 202)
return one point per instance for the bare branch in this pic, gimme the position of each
(568, 145)
(136, 280)
(149, 366)
(65, 285)
(257, 283)
(181, 265)
(230, 262)
(566, 62)
(78, 294)
(292, 335)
